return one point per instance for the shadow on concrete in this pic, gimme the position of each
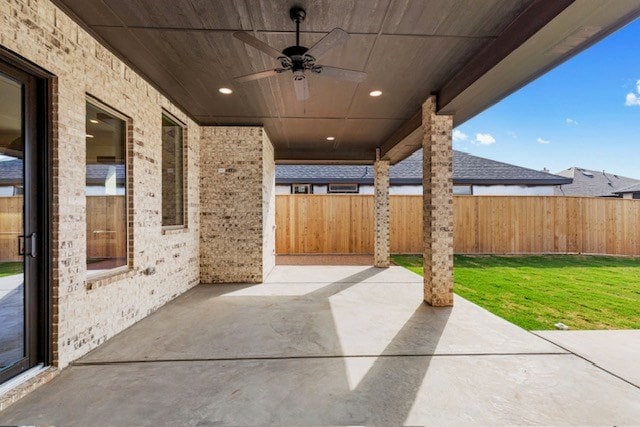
(276, 345)
(346, 283)
(398, 378)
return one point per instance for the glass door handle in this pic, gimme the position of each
(32, 245)
(21, 245)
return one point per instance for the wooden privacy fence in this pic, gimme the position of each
(324, 224)
(482, 224)
(106, 227)
(10, 227)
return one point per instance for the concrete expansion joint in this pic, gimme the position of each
(319, 356)
(594, 364)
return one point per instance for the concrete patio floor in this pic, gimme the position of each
(616, 351)
(325, 345)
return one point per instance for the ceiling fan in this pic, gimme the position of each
(299, 59)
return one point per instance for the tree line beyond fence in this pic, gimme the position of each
(344, 224)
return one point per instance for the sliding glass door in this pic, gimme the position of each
(20, 296)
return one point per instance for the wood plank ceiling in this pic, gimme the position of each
(409, 48)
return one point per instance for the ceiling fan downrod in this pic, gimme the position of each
(297, 15)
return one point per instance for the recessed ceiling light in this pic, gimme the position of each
(89, 136)
(225, 90)
(94, 121)
(375, 93)
(331, 138)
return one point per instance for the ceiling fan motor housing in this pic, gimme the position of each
(296, 59)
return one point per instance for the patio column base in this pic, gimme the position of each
(437, 187)
(381, 203)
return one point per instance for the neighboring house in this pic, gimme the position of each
(590, 183)
(102, 180)
(631, 192)
(11, 182)
(471, 175)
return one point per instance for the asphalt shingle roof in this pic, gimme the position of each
(11, 172)
(467, 169)
(630, 189)
(590, 183)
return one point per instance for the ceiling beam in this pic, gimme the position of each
(532, 20)
(352, 157)
(408, 138)
(394, 145)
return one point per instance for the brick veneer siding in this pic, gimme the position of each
(437, 184)
(382, 242)
(88, 313)
(237, 175)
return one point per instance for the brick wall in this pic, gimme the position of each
(237, 174)
(86, 314)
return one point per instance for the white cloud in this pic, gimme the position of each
(459, 135)
(633, 99)
(543, 141)
(571, 122)
(485, 139)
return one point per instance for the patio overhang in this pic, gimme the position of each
(470, 54)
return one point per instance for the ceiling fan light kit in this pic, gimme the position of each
(299, 59)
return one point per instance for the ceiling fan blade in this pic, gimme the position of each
(334, 39)
(257, 76)
(342, 74)
(258, 44)
(301, 88)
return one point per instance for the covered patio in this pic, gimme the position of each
(143, 111)
(327, 345)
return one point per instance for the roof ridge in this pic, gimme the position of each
(605, 173)
(511, 165)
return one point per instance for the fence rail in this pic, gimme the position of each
(482, 224)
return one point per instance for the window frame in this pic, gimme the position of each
(100, 278)
(459, 187)
(332, 191)
(308, 186)
(185, 186)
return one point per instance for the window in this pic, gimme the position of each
(636, 196)
(172, 173)
(343, 188)
(301, 189)
(106, 190)
(462, 190)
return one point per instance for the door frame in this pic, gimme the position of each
(38, 109)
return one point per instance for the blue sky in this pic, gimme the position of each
(585, 113)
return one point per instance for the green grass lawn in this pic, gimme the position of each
(10, 268)
(535, 292)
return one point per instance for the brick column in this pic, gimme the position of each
(381, 201)
(437, 188)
